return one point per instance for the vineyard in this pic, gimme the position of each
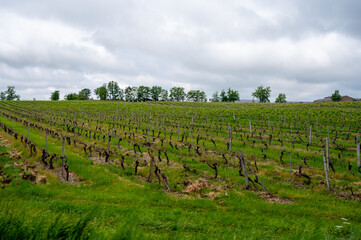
(93, 169)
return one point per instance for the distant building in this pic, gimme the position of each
(347, 99)
(247, 101)
(328, 99)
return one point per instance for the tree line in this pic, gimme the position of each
(112, 91)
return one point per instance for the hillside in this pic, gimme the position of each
(160, 170)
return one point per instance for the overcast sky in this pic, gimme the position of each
(305, 49)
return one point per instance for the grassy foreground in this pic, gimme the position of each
(106, 202)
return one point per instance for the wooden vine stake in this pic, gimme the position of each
(291, 161)
(327, 155)
(151, 165)
(178, 132)
(244, 168)
(230, 137)
(46, 140)
(250, 127)
(191, 137)
(309, 141)
(46, 144)
(358, 150)
(62, 159)
(326, 169)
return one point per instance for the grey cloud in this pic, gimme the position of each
(303, 48)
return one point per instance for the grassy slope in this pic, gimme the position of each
(111, 203)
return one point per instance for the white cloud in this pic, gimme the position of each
(32, 42)
(312, 54)
(293, 46)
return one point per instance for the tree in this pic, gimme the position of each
(55, 95)
(71, 96)
(121, 94)
(196, 96)
(229, 96)
(202, 96)
(177, 94)
(155, 93)
(336, 97)
(281, 98)
(113, 90)
(164, 95)
(223, 96)
(232, 95)
(84, 94)
(143, 93)
(262, 93)
(130, 94)
(192, 95)
(9, 94)
(215, 97)
(101, 92)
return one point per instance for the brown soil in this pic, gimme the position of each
(99, 160)
(211, 195)
(14, 154)
(40, 179)
(4, 141)
(145, 158)
(274, 199)
(195, 187)
(73, 178)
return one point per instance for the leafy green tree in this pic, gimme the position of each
(223, 96)
(229, 96)
(113, 90)
(121, 94)
(164, 95)
(84, 94)
(143, 93)
(262, 93)
(336, 97)
(156, 92)
(177, 94)
(232, 95)
(71, 96)
(196, 96)
(215, 97)
(130, 94)
(55, 95)
(281, 98)
(192, 95)
(101, 92)
(9, 94)
(203, 96)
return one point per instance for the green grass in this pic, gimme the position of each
(110, 203)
